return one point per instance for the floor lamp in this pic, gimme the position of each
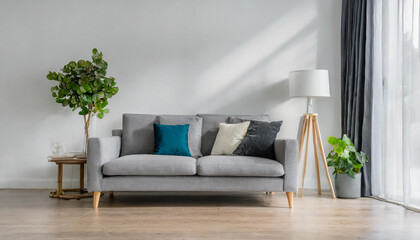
(311, 84)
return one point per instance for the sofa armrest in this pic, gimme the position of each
(100, 151)
(286, 151)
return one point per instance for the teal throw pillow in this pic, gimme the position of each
(171, 140)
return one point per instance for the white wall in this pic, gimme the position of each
(172, 57)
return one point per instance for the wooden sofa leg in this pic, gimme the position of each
(290, 199)
(96, 197)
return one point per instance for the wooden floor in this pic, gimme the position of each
(31, 214)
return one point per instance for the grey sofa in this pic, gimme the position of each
(124, 162)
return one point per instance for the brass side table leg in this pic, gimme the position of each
(60, 180)
(82, 178)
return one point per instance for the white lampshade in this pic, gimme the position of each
(309, 83)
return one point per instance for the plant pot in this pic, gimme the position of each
(348, 187)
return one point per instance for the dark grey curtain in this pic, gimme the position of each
(355, 87)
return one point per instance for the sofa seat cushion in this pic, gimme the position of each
(150, 165)
(239, 166)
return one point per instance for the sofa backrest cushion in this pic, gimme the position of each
(137, 134)
(211, 127)
(194, 132)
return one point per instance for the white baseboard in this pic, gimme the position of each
(36, 183)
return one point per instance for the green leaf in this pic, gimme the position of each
(351, 148)
(65, 102)
(50, 76)
(365, 157)
(74, 86)
(342, 144)
(345, 154)
(100, 115)
(86, 98)
(358, 166)
(104, 103)
(72, 64)
(106, 110)
(332, 140)
(330, 155)
(87, 88)
(94, 51)
(338, 149)
(84, 111)
(115, 90)
(82, 89)
(81, 63)
(347, 140)
(83, 97)
(351, 173)
(101, 95)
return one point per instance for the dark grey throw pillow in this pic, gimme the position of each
(259, 140)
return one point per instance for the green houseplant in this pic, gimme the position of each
(84, 86)
(347, 163)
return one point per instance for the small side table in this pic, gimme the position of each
(60, 192)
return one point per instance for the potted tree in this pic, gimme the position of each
(84, 86)
(347, 163)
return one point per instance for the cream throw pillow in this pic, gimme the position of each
(229, 137)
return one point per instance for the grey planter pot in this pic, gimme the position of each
(348, 187)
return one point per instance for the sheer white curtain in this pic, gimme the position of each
(395, 71)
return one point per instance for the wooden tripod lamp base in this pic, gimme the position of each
(311, 119)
